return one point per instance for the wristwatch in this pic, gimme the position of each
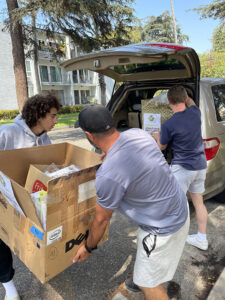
(89, 250)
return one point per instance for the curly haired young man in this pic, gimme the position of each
(38, 116)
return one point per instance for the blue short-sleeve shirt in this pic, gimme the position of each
(182, 132)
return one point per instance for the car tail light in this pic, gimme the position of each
(165, 45)
(211, 147)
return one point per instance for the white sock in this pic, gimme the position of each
(201, 236)
(10, 289)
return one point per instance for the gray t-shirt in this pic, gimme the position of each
(136, 180)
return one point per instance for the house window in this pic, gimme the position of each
(56, 75)
(76, 96)
(85, 95)
(81, 74)
(30, 89)
(75, 77)
(60, 96)
(28, 70)
(91, 76)
(44, 73)
(219, 101)
(79, 51)
(73, 53)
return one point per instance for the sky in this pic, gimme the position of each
(199, 31)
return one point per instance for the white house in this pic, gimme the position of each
(77, 87)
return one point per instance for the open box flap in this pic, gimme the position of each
(76, 156)
(25, 203)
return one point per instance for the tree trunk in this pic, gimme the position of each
(101, 78)
(102, 88)
(18, 56)
(35, 57)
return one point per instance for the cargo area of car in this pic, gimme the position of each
(127, 111)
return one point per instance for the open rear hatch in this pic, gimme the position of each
(143, 69)
(142, 62)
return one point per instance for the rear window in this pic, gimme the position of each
(169, 64)
(219, 101)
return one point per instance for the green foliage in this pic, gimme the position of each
(160, 29)
(219, 38)
(67, 120)
(157, 29)
(91, 24)
(212, 64)
(121, 19)
(135, 32)
(215, 10)
(135, 35)
(11, 114)
(71, 109)
(63, 120)
(8, 114)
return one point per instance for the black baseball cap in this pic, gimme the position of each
(95, 118)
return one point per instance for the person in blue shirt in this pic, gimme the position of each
(182, 132)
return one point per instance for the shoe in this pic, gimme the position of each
(15, 298)
(131, 286)
(195, 241)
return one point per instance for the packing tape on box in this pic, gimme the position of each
(86, 190)
(37, 232)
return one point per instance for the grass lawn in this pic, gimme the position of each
(63, 120)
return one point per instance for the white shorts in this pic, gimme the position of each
(192, 181)
(161, 264)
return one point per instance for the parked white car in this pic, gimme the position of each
(142, 71)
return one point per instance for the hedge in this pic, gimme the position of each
(8, 114)
(11, 114)
(71, 109)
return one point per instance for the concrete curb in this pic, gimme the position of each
(218, 291)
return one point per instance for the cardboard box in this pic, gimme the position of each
(133, 120)
(154, 107)
(70, 210)
(37, 179)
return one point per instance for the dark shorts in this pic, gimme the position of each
(6, 268)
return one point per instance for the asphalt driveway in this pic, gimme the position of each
(102, 276)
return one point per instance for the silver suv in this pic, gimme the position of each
(144, 71)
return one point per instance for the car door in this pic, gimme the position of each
(146, 62)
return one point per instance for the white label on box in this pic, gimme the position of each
(86, 190)
(63, 172)
(54, 235)
(7, 192)
(151, 122)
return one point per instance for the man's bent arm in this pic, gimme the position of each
(96, 232)
(161, 147)
(189, 101)
(156, 137)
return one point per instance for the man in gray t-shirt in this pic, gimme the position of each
(136, 180)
